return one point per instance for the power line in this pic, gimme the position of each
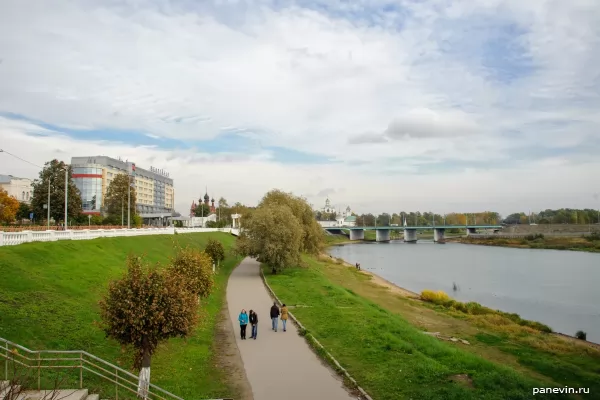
(17, 157)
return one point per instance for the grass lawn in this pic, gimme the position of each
(49, 295)
(388, 355)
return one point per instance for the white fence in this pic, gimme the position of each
(14, 238)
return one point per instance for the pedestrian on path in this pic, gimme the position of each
(284, 316)
(274, 316)
(254, 323)
(243, 318)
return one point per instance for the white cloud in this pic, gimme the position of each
(325, 84)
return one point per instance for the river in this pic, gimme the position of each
(558, 288)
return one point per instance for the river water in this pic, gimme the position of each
(558, 288)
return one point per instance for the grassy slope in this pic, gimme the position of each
(386, 354)
(49, 296)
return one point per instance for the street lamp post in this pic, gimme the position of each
(66, 196)
(128, 201)
(48, 203)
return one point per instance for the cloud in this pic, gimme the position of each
(367, 138)
(426, 123)
(423, 124)
(309, 95)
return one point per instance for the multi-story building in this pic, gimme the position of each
(155, 194)
(19, 188)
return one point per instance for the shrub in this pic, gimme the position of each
(195, 267)
(581, 335)
(436, 297)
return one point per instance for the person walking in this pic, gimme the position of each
(274, 316)
(254, 323)
(243, 318)
(284, 316)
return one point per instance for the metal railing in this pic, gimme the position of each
(76, 359)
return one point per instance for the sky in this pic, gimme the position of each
(430, 105)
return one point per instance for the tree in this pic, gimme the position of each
(224, 213)
(115, 201)
(202, 210)
(53, 172)
(9, 206)
(23, 212)
(145, 307)
(312, 233)
(223, 202)
(195, 269)
(272, 234)
(215, 250)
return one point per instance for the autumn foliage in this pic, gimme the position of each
(195, 269)
(8, 207)
(150, 304)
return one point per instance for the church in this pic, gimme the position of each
(342, 218)
(211, 206)
(328, 209)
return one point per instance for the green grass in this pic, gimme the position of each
(389, 357)
(49, 295)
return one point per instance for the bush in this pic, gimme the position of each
(435, 297)
(473, 308)
(195, 267)
(581, 335)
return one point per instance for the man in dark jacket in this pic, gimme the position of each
(254, 323)
(274, 316)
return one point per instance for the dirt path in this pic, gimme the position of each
(279, 365)
(229, 358)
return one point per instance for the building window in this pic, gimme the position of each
(23, 196)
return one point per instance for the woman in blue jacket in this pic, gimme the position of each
(243, 318)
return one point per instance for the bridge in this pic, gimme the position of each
(382, 233)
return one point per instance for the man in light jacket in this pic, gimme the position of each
(274, 316)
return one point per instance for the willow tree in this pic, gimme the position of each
(272, 234)
(312, 233)
(145, 307)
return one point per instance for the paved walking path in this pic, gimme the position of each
(279, 365)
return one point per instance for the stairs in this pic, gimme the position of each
(68, 394)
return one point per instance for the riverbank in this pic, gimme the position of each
(383, 345)
(556, 359)
(589, 243)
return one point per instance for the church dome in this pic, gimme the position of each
(212, 200)
(206, 197)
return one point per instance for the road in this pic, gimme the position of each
(279, 365)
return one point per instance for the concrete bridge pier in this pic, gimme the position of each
(357, 234)
(382, 235)
(410, 235)
(471, 231)
(438, 234)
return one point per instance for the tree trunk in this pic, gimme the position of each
(144, 379)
